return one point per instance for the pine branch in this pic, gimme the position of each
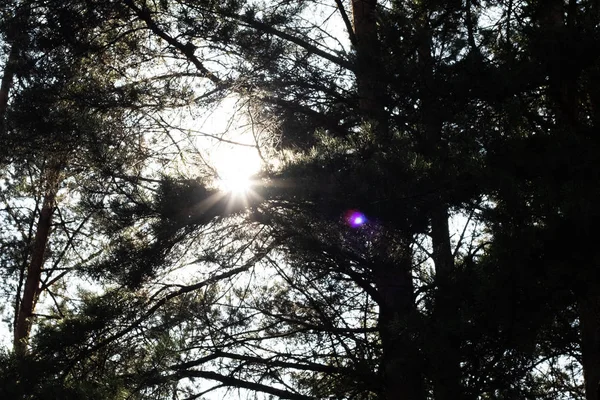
(238, 383)
(261, 26)
(188, 51)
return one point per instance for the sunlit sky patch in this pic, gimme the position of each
(226, 141)
(235, 167)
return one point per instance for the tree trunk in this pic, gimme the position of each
(31, 291)
(400, 363)
(444, 351)
(7, 80)
(564, 93)
(369, 77)
(14, 37)
(589, 325)
(401, 359)
(445, 358)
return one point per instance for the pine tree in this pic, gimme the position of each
(390, 271)
(444, 68)
(552, 191)
(67, 146)
(417, 113)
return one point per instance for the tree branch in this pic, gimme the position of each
(238, 383)
(261, 26)
(188, 51)
(347, 22)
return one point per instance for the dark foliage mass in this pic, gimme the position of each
(465, 132)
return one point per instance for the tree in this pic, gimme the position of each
(455, 93)
(373, 88)
(67, 130)
(419, 113)
(553, 191)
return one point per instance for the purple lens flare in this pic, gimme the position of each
(355, 218)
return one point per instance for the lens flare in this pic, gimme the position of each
(355, 218)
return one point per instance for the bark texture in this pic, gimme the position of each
(369, 77)
(401, 364)
(31, 291)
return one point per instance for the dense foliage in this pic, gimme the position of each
(464, 132)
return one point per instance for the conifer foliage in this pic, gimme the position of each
(463, 133)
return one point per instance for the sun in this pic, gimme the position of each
(236, 167)
(236, 182)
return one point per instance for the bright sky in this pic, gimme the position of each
(235, 165)
(230, 146)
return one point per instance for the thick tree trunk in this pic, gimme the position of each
(369, 77)
(444, 350)
(445, 359)
(589, 325)
(401, 359)
(14, 37)
(7, 81)
(31, 291)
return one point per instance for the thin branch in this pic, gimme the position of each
(71, 238)
(347, 22)
(303, 366)
(66, 271)
(462, 235)
(238, 383)
(261, 26)
(188, 51)
(56, 304)
(199, 395)
(191, 288)
(255, 136)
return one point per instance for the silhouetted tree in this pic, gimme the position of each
(420, 115)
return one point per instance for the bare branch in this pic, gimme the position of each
(188, 51)
(239, 383)
(347, 22)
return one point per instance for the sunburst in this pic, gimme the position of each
(236, 168)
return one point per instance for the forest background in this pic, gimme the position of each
(462, 134)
